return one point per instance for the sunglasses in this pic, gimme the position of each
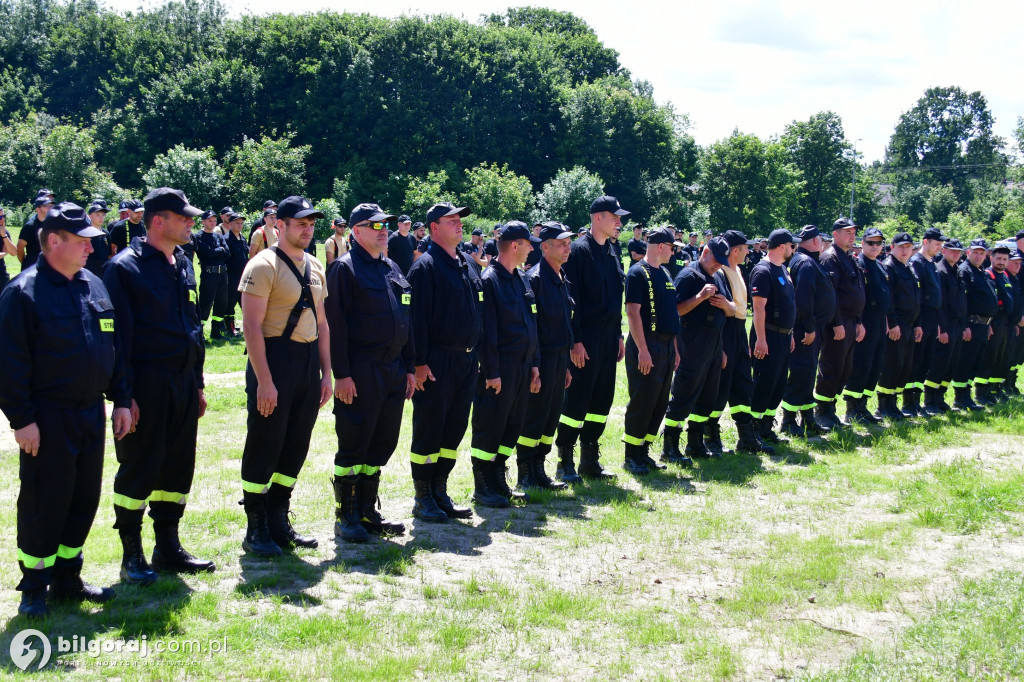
(867, 243)
(372, 226)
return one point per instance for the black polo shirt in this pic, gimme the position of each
(596, 286)
(772, 282)
(509, 320)
(652, 288)
(554, 307)
(400, 248)
(447, 302)
(689, 282)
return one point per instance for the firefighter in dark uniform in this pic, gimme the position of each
(954, 319)
(554, 336)
(100, 243)
(735, 385)
(867, 355)
(815, 309)
(677, 261)
(7, 248)
(702, 310)
(213, 284)
(1013, 353)
(28, 248)
(691, 249)
(447, 322)
(846, 329)
(902, 330)
(238, 256)
(992, 366)
(153, 290)
(535, 255)
(595, 284)
(509, 366)
(368, 310)
(652, 350)
(636, 247)
(982, 306)
(61, 357)
(930, 320)
(287, 378)
(123, 231)
(771, 335)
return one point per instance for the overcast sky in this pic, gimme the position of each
(757, 66)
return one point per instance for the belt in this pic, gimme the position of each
(775, 328)
(664, 338)
(457, 349)
(216, 269)
(709, 321)
(978, 319)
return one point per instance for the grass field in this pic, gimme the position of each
(884, 554)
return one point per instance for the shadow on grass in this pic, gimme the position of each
(285, 577)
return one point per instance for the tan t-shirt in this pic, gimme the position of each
(264, 238)
(336, 246)
(739, 291)
(267, 276)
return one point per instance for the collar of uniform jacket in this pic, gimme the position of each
(57, 278)
(147, 251)
(358, 250)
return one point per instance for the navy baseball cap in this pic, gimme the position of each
(404, 219)
(872, 232)
(417, 225)
(123, 206)
(297, 207)
(902, 238)
(445, 208)
(934, 233)
(736, 238)
(1001, 248)
(979, 244)
(340, 222)
(517, 229)
(233, 216)
(135, 205)
(1019, 235)
(661, 235)
(98, 206)
(271, 210)
(477, 233)
(70, 218)
(207, 214)
(269, 203)
(168, 199)
(42, 201)
(779, 237)
(1016, 255)
(808, 233)
(719, 249)
(370, 212)
(226, 209)
(609, 204)
(953, 245)
(843, 223)
(44, 191)
(554, 230)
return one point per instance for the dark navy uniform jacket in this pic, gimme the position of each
(510, 321)
(122, 232)
(100, 254)
(369, 311)
(773, 282)
(954, 299)
(59, 344)
(554, 307)
(906, 293)
(1017, 309)
(815, 296)
(652, 288)
(1004, 291)
(30, 233)
(877, 294)
(447, 302)
(238, 252)
(212, 249)
(689, 282)
(931, 289)
(980, 291)
(848, 282)
(156, 307)
(596, 285)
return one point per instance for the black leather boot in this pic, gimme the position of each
(713, 438)
(369, 502)
(695, 441)
(524, 467)
(439, 488)
(424, 504)
(865, 413)
(33, 603)
(963, 401)
(485, 491)
(135, 570)
(590, 461)
(168, 554)
(645, 457)
(790, 427)
(501, 481)
(766, 430)
(540, 477)
(258, 540)
(749, 442)
(825, 416)
(931, 400)
(632, 463)
(810, 426)
(912, 403)
(670, 447)
(67, 584)
(348, 524)
(566, 470)
(278, 521)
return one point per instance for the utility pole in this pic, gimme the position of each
(853, 183)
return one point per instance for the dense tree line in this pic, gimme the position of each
(519, 114)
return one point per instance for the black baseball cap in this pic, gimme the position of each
(135, 205)
(370, 212)
(719, 249)
(269, 203)
(554, 230)
(1016, 255)
(297, 207)
(517, 229)
(168, 199)
(477, 233)
(979, 244)
(808, 232)
(953, 244)
(234, 215)
(70, 218)
(842, 223)
(98, 206)
(779, 237)
(445, 208)
(934, 233)
(340, 222)
(902, 238)
(661, 235)
(226, 209)
(207, 214)
(609, 204)
(44, 191)
(42, 201)
(417, 225)
(123, 206)
(736, 238)
(404, 219)
(1001, 248)
(872, 232)
(271, 210)
(1019, 235)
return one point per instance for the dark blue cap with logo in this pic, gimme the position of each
(953, 244)
(98, 205)
(873, 232)
(554, 230)
(42, 201)
(902, 238)
(779, 237)
(70, 218)
(370, 212)
(608, 204)
(445, 208)
(736, 238)
(207, 214)
(661, 235)
(808, 233)
(979, 244)
(719, 248)
(404, 219)
(297, 207)
(517, 229)
(169, 199)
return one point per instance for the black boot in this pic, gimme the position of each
(670, 447)
(695, 441)
(940, 399)
(590, 461)
(485, 491)
(168, 554)
(912, 403)
(825, 416)
(645, 457)
(810, 426)
(501, 481)
(33, 603)
(983, 395)
(790, 426)
(713, 438)
(749, 442)
(853, 413)
(369, 502)
(134, 568)
(424, 504)
(566, 470)
(632, 463)
(278, 521)
(865, 413)
(931, 400)
(524, 467)
(258, 540)
(962, 399)
(766, 430)
(540, 477)
(215, 329)
(348, 524)
(68, 586)
(439, 488)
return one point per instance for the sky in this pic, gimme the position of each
(758, 66)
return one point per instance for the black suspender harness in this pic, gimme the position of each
(305, 298)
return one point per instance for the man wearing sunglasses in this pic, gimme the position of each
(867, 355)
(368, 311)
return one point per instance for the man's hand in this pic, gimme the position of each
(760, 349)
(266, 398)
(622, 350)
(792, 343)
(202, 403)
(326, 390)
(707, 292)
(27, 438)
(839, 332)
(410, 386)
(568, 378)
(894, 333)
(808, 338)
(644, 362)
(135, 415)
(967, 334)
(578, 355)
(725, 359)
(534, 380)
(122, 422)
(495, 384)
(918, 334)
(345, 390)
(422, 374)
(943, 337)
(861, 332)
(719, 301)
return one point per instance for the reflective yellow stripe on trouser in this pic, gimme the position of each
(568, 421)
(128, 502)
(632, 440)
(168, 496)
(486, 456)
(258, 488)
(423, 459)
(35, 562)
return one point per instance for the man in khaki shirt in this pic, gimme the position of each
(266, 235)
(287, 378)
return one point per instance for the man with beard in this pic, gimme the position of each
(902, 329)
(991, 376)
(954, 318)
(982, 307)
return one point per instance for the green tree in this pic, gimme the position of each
(269, 168)
(67, 162)
(568, 196)
(21, 144)
(940, 203)
(323, 227)
(818, 148)
(194, 171)
(422, 193)
(495, 192)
